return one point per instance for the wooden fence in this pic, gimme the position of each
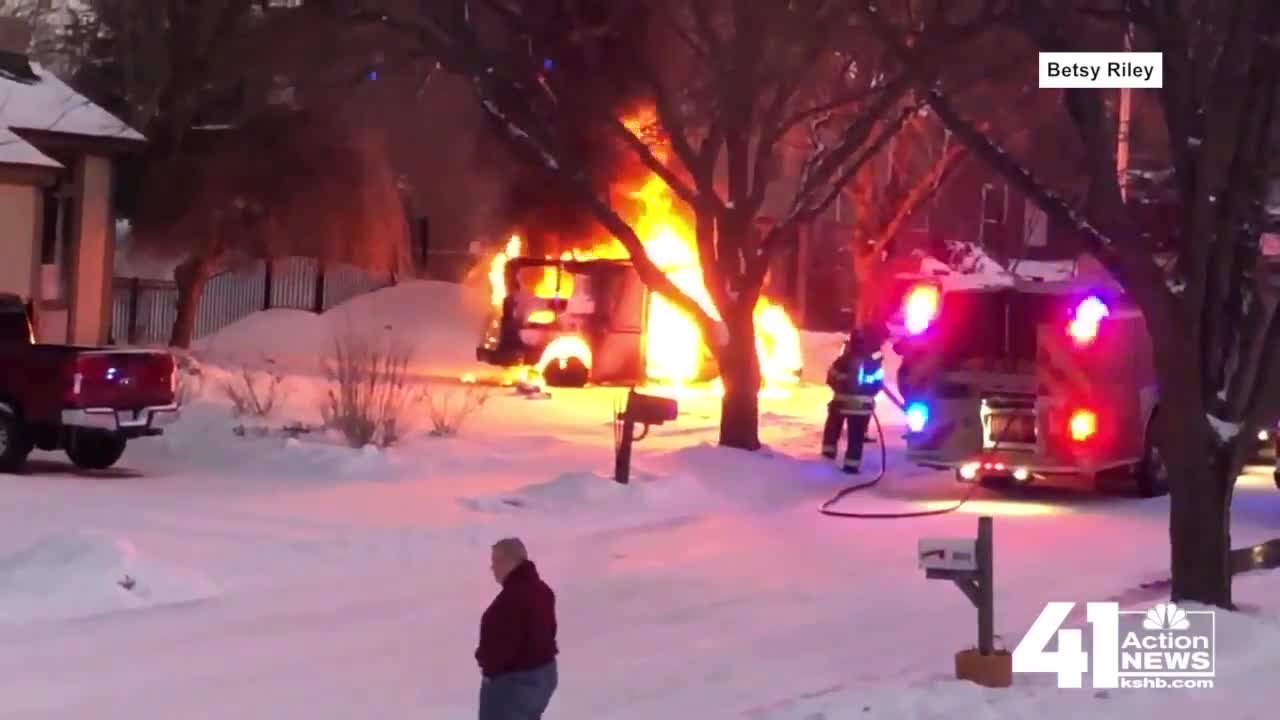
(143, 311)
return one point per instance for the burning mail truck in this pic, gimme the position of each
(575, 321)
(1029, 381)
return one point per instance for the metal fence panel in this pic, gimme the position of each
(343, 282)
(230, 296)
(293, 283)
(143, 311)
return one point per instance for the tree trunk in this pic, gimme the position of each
(1199, 508)
(740, 374)
(867, 274)
(190, 277)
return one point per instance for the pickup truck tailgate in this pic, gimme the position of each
(122, 379)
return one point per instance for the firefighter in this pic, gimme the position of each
(855, 377)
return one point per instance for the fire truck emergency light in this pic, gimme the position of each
(1083, 425)
(920, 308)
(1088, 316)
(917, 416)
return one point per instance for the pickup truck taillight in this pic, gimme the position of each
(121, 380)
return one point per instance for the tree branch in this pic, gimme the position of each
(921, 193)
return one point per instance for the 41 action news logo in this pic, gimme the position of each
(1163, 647)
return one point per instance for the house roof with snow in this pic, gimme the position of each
(41, 104)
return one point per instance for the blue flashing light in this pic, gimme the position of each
(917, 416)
(548, 64)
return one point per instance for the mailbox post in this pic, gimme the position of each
(646, 410)
(968, 564)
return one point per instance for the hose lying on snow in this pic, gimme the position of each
(825, 508)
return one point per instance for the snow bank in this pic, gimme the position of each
(78, 575)
(818, 350)
(441, 322)
(566, 492)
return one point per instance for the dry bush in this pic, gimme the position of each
(190, 386)
(190, 378)
(369, 392)
(450, 407)
(254, 393)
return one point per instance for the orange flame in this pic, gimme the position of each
(563, 349)
(675, 348)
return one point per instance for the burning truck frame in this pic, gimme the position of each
(574, 321)
(585, 317)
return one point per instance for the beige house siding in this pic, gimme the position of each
(51, 326)
(20, 219)
(91, 254)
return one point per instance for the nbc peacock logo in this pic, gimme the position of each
(1166, 616)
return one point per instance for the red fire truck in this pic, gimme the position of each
(1029, 380)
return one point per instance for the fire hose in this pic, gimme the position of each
(825, 508)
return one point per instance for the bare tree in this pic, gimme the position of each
(159, 65)
(286, 183)
(726, 82)
(884, 199)
(1213, 323)
(273, 180)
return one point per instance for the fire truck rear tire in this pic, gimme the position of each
(1151, 475)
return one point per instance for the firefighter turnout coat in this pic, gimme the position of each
(855, 378)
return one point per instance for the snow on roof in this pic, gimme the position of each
(973, 268)
(50, 105)
(16, 151)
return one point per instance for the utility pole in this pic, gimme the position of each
(1122, 132)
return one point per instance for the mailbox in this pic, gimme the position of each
(948, 554)
(644, 410)
(650, 409)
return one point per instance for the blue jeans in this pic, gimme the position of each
(518, 695)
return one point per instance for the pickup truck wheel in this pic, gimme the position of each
(572, 374)
(95, 451)
(15, 444)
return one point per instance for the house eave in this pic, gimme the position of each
(33, 175)
(91, 144)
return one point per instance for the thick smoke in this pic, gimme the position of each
(590, 61)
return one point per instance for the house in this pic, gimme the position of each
(978, 206)
(56, 219)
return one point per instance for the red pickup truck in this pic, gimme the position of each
(86, 401)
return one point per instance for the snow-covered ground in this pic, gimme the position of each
(214, 575)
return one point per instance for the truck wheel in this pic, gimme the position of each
(1276, 476)
(1152, 475)
(95, 451)
(573, 373)
(15, 444)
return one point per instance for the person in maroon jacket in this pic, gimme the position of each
(517, 652)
